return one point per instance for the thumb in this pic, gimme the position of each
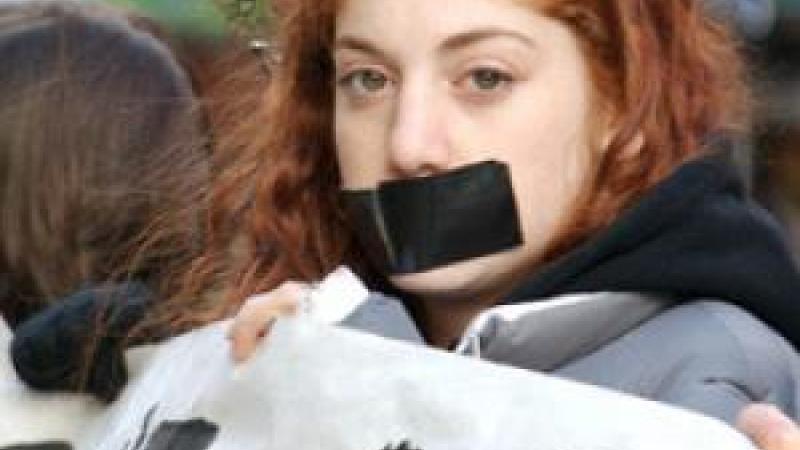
(768, 427)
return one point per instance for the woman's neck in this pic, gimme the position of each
(444, 321)
(444, 316)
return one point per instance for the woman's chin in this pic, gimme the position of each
(461, 281)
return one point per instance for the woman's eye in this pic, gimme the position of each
(487, 79)
(364, 81)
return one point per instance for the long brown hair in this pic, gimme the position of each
(100, 140)
(665, 71)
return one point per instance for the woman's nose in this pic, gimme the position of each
(418, 138)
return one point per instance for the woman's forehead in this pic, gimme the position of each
(339, 4)
(444, 16)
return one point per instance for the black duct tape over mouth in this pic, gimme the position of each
(417, 224)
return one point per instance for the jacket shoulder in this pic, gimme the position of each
(719, 325)
(706, 355)
(731, 353)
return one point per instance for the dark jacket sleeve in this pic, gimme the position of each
(49, 350)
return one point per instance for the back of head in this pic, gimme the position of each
(99, 135)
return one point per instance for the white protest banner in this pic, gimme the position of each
(315, 386)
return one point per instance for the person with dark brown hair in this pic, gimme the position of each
(101, 141)
(566, 156)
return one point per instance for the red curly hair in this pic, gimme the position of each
(668, 73)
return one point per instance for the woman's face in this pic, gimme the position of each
(426, 86)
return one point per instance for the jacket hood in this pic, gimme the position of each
(695, 235)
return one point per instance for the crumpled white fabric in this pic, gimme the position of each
(317, 386)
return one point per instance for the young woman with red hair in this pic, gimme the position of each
(468, 154)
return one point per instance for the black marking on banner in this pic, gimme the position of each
(194, 434)
(404, 445)
(148, 416)
(50, 445)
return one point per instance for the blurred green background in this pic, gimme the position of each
(789, 6)
(217, 18)
(214, 17)
(206, 18)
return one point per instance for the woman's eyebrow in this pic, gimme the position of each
(465, 39)
(362, 45)
(355, 43)
(451, 43)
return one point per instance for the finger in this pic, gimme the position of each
(254, 321)
(769, 428)
(258, 313)
(245, 340)
(259, 310)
